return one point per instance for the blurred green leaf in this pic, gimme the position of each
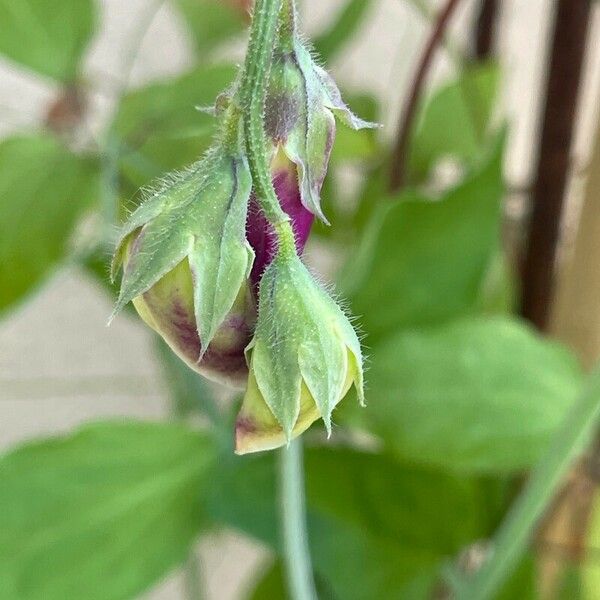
(483, 395)
(523, 583)
(365, 105)
(44, 190)
(344, 26)
(352, 145)
(271, 585)
(455, 120)
(424, 261)
(571, 586)
(211, 22)
(376, 528)
(159, 126)
(362, 144)
(48, 37)
(372, 194)
(498, 294)
(522, 586)
(100, 514)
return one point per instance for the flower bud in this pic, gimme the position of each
(186, 263)
(168, 308)
(303, 358)
(260, 233)
(299, 113)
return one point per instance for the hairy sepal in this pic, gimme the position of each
(303, 358)
(199, 214)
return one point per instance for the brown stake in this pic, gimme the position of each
(562, 92)
(400, 150)
(485, 29)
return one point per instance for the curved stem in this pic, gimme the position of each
(400, 149)
(293, 522)
(253, 90)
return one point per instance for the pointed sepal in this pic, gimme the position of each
(303, 358)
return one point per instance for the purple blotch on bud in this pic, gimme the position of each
(260, 234)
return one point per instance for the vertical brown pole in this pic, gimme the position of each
(485, 29)
(562, 92)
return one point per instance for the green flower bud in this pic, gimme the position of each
(304, 357)
(186, 264)
(299, 113)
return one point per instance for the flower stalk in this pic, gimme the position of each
(298, 566)
(254, 91)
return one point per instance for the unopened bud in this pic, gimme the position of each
(304, 357)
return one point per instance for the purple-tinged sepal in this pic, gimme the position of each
(304, 357)
(168, 308)
(302, 100)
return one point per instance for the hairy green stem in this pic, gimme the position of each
(293, 522)
(253, 90)
(253, 93)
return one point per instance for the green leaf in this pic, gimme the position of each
(354, 145)
(483, 395)
(211, 22)
(100, 514)
(424, 261)
(455, 121)
(271, 585)
(498, 294)
(519, 527)
(160, 127)
(375, 528)
(523, 584)
(48, 37)
(345, 25)
(44, 190)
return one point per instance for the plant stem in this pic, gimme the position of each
(400, 150)
(427, 14)
(253, 90)
(485, 29)
(253, 93)
(562, 93)
(293, 522)
(516, 531)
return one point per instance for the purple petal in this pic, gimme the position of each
(260, 234)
